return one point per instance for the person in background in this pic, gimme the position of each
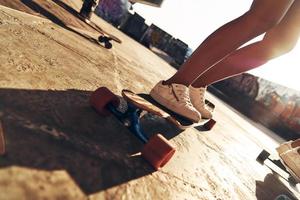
(113, 11)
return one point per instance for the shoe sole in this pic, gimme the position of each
(165, 103)
(287, 148)
(204, 116)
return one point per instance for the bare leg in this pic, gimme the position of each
(262, 16)
(279, 40)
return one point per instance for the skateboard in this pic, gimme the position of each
(277, 166)
(105, 37)
(2, 141)
(157, 149)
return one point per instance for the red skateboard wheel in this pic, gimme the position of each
(158, 151)
(101, 97)
(210, 124)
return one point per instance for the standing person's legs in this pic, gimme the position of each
(174, 93)
(261, 17)
(278, 41)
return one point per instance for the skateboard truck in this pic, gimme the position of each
(157, 149)
(276, 166)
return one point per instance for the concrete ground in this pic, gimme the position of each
(57, 147)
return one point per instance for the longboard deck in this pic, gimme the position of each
(147, 103)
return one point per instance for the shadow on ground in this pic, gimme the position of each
(54, 130)
(58, 12)
(271, 182)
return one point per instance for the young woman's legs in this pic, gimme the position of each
(279, 40)
(189, 102)
(262, 16)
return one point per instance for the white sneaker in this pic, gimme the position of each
(176, 98)
(286, 146)
(291, 159)
(197, 96)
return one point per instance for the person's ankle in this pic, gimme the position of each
(164, 83)
(198, 86)
(295, 143)
(170, 82)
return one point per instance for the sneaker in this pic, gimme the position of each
(291, 159)
(289, 145)
(197, 96)
(176, 98)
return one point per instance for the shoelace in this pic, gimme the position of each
(182, 95)
(201, 92)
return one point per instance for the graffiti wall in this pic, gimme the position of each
(158, 37)
(175, 48)
(278, 101)
(134, 26)
(281, 101)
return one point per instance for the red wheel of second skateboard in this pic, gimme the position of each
(101, 97)
(158, 151)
